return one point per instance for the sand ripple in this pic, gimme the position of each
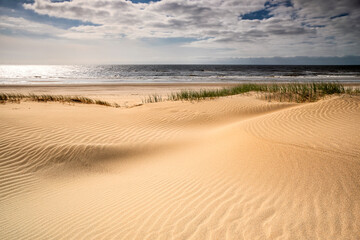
(232, 168)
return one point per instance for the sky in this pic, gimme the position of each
(179, 32)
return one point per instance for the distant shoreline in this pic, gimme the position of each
(173, 74)
(152, 84)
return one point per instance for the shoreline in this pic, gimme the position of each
(164, 84)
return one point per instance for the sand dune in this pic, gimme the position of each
(232, 168)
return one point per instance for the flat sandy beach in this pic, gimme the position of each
(230, 168)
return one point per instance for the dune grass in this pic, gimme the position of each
(153, 98)
(17, 98)
(287, 92)
(290, 92)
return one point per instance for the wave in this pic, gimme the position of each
(67, 74)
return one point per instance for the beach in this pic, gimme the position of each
(236, 167)
(125, 94)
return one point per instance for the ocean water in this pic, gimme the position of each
(84, 74)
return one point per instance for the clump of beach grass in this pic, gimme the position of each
(11, 97)
(153, 98)
(202, 94)
(289, 92)
(302, 92)
(17, 97)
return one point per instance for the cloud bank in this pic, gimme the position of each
(231, 28)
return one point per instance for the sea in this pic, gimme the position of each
(109, 74)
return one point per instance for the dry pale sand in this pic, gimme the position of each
(125, 94)
(231, 168)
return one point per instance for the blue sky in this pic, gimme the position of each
(178, 31)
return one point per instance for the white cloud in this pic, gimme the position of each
(304, 27)
(167, 18)
(21, 25)
(200, 19)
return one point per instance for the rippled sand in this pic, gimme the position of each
(231, 168)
